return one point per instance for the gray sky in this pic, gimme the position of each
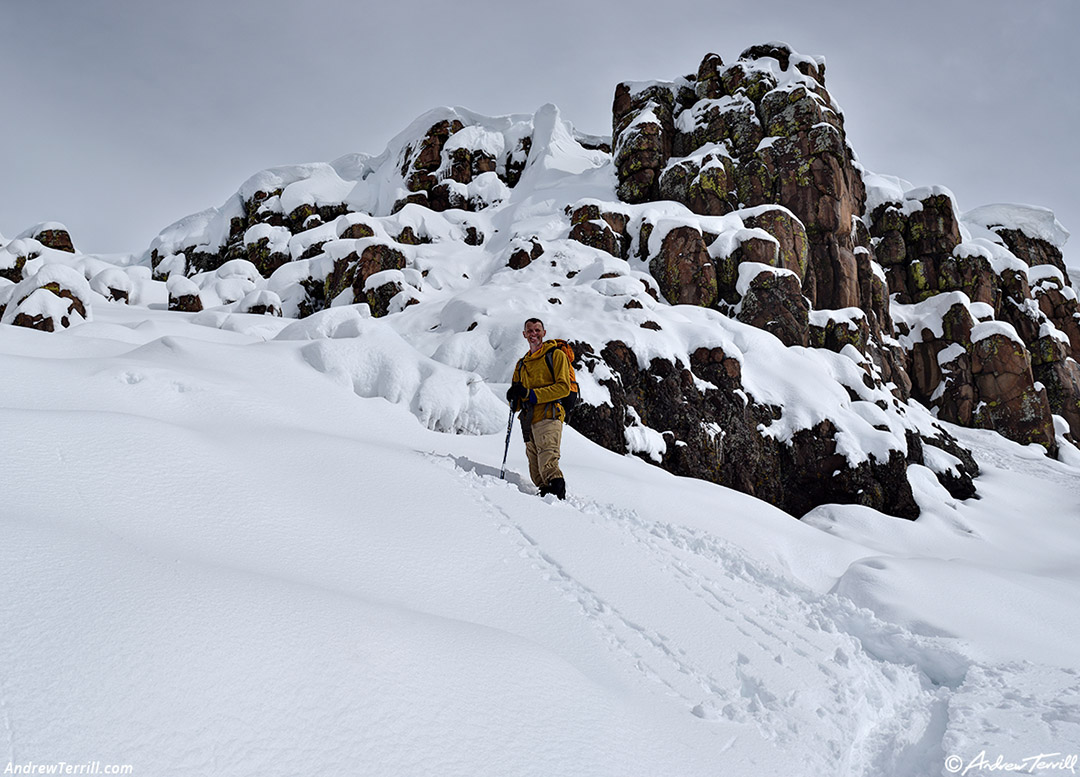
(122, 116)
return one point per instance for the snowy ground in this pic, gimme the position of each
(220, 558)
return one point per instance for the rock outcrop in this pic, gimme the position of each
(711, 431)
(53, 298)
(727, 204)
(764, 131)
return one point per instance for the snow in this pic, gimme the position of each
(928, 314)
(43, 226)
(1034, 221)
(41, 302)
(698, 116)
(985, 329)
(748, 271)
(112, 278)
(259, 298)
(294, 576)
(242, 544)
(636, 88)
(881, 189)
(949, 353)
(181, 286)
(277, 237)
(477, 138)
(1044, 273)
(849, 317)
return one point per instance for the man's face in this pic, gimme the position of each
(534, 333)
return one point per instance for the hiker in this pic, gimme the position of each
(542, 378)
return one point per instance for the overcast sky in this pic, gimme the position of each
(121, 116)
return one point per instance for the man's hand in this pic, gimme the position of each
(516, 393)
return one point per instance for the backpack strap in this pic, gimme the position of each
(549, 357)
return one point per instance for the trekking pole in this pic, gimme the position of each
(506, 450)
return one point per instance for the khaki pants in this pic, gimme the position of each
(543, 451)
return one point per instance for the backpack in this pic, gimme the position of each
(569, 402)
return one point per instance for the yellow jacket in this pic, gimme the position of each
(532, 372)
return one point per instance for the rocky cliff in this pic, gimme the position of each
(748, 304)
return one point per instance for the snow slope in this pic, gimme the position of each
(220, 559)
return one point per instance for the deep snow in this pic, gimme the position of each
(219, 561)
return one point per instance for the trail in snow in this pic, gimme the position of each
(762, 650)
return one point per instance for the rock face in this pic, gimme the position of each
(1013, 381)
(762, 130)
(712, 433)
(765, 131)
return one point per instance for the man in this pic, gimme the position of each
(536, 391)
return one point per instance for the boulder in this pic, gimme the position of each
(958, 400)
(183, 295)
(15, 255)
(53, 298)
(1058, 303)
(837, 329)
(642, 134)
(375, 258)
(356, 231)
(1061, 378)
(114, 284)
(732, 119)
(792, 243)
(932, 231)
(54, 236)
(515, 160)
(427, 158)
(684, 270)
(706, 186)
(915, 246)
(1033, 251)
(268, 251)
(600, 229)
(1008, 400)
(709, 85)
(42, 310)
(971, 274)
(772, 300)
(261, 302)
(387, 293)
(524, 254)
(596, 234)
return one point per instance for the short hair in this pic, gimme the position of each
(534, 321)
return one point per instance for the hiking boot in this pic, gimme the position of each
(557, 487)
(544, 490)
